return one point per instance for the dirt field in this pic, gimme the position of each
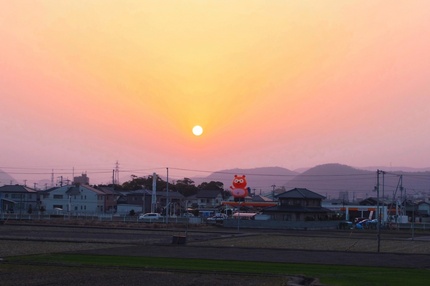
(346, 248)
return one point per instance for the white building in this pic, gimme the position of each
(74, 199)
(205, 199)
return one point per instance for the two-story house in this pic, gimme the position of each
(298, 204)
(110, 199)
(141, 201)
(18, 199)
(74, 199)
(204, 199)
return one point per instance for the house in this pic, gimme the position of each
(173, 200)
(74, 199)
(298, 204)
(110, 199)
(204, 199)
(138, 201)
(141, 201)
(424, 208)
(372, 201)
(18, 199)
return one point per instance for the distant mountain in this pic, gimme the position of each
(257, 178)
(332, 179)
(6, 179)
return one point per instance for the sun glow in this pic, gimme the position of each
(197, 130)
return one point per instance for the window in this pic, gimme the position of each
(58, 196)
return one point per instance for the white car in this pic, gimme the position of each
(150, 217)
(218, 218)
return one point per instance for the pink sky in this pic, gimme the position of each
(294, 84)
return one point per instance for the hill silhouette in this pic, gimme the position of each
(332, 179)
(6, 179)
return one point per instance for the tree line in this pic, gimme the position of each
(186, 186)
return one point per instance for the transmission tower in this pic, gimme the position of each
(116, 176)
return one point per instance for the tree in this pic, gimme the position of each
(186, 187)
(212, 185)
(137, 183)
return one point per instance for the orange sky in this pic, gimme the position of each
(273, 83)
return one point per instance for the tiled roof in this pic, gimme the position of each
(73, 191)
(16, 189)
(208, 194)
(97, 191)
(293, 209)
(300, 193)
(259, 198)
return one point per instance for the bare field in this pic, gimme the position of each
(34, 239)
(322, 243)
(345, 248)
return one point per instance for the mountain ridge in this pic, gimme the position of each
(332, 180)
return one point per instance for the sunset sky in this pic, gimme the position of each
(293, 84)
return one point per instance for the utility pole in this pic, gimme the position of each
(167, 196)
(383, 184)
(378, 224)
(61, 181)
(273, 192)
(154, 193)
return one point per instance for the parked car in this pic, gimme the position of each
(150, 217)
(218, 218)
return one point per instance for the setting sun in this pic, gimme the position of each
(197, 130)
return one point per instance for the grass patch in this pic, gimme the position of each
(328, 274)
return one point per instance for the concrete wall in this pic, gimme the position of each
(273, 224)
